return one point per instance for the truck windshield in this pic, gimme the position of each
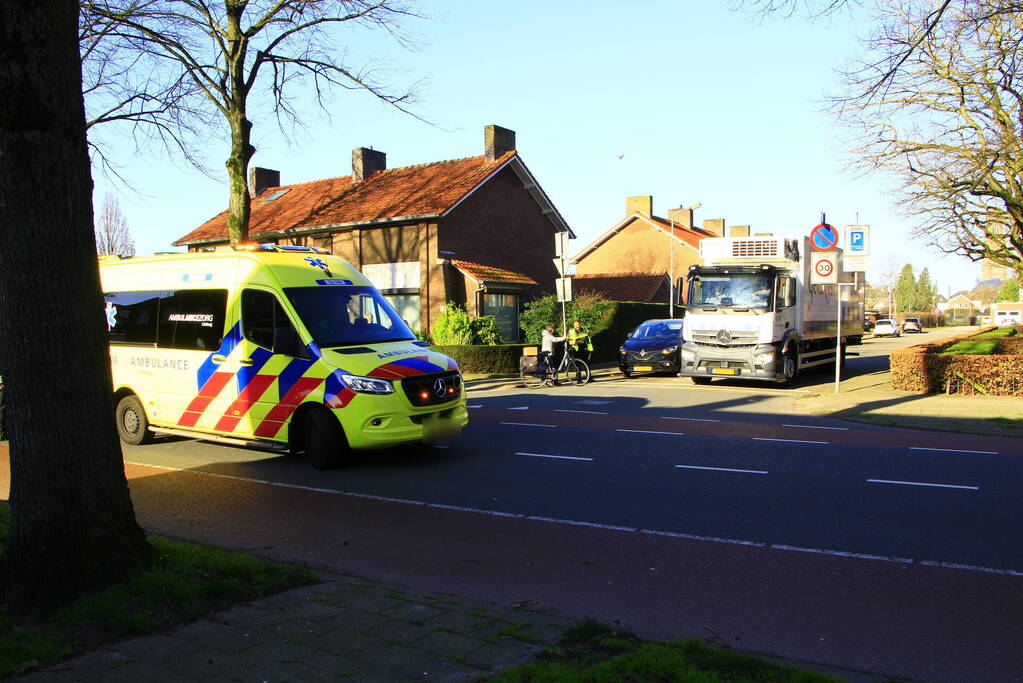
(730, 290)
(347, 315)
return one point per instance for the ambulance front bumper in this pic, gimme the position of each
(381, 421)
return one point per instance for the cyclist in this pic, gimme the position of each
(547, 342)
(580, 341)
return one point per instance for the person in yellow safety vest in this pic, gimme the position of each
(580, 341)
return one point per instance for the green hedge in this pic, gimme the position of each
(925, 368)
(490, 359)
(622, 318)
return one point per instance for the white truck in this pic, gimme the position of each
(752, 314)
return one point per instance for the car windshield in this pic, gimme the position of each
(731, 290)
(885, 322)
(347, 315)
(658, 329)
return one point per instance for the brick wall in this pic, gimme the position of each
(637, 248)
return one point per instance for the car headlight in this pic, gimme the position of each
(621, 350)
(368, 385)
(688, 356)
(764, 358)
(668, 350)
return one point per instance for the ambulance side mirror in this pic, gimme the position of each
(288, 343)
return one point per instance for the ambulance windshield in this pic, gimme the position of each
(347, 315)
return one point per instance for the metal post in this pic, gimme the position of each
(838, 341)
(671, 268)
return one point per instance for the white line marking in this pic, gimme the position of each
(587, 412)
(951, 450)
(558, 457)
(762, 438)
(720, 469)
(839, 553)
(555, 520)
(518, 408)
(525, 424)
(439, 445)
(648, 431)
(690, 419)
(591, 402)
(478, 405)
(920, 483)
(839, 429)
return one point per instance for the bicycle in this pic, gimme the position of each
(574, 369)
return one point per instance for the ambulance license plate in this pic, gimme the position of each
(725, 371)
(644, 368)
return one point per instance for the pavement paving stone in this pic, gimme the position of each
(414, 663)
(459, 622)
(493, 657)
(448, 644)
(404, 631)
(342, 641)
(370, 603)
(204, 664)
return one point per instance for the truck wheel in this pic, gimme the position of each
(790, 367)
(132, 423)
(325, 442)
(700, 380)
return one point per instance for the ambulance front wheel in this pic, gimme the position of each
(132, 423)
(325, 442)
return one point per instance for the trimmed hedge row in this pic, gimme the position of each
(924, 368)
(489, 359)
(622, 320)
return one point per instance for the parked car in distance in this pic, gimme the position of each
(886, 327)
(912, 325)
(868, 323)
(652, 347)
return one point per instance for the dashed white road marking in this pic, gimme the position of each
(838, 429)
(720, 469)
(764, 438)
(921, 483)
(591, 402)
(572, 522)
(585, 412)
(649, 431)
(951, 450)
(690, 419)
(476, 405)
(518, 408)
(556, 457)
(527, 424)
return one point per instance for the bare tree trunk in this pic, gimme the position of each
(73, 526)
(239, 209)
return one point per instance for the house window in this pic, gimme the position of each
(407, 306)
(505, 309)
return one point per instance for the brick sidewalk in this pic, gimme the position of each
(343, 629)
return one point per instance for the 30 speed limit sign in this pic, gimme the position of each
(823, 268)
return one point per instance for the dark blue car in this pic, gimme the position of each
(652, 347)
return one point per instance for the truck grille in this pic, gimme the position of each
(426, 390)
(736, 340)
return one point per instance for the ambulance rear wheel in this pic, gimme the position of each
(325, 442)
(132, 423)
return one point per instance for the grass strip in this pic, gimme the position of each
(998, 333)
(185, 582)
(971, 347)
(591, 652)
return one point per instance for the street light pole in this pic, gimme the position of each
(671, 257)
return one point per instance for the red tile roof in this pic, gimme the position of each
(388, 195)
(483, 273)
(690, 236)
(620, 286)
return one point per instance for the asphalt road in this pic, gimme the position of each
(673, 509)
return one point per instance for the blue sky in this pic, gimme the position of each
(685, 101)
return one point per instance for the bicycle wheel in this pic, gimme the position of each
(580, 372)
(532, 378)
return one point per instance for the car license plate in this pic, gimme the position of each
(644, 368)
(725, 371)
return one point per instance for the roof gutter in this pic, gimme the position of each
(319, 228)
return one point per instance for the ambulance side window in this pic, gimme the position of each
(263, 319)
(193, 319)
(132, 316)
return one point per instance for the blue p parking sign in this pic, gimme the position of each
(857, 241)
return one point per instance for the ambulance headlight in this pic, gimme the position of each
(368, 385)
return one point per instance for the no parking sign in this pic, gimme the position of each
(824, 237)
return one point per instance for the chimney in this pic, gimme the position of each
(681, 217)
(643, 205)
(497, 141)
(366, 162)
(716, 226)
(262, 178)
(738, 231)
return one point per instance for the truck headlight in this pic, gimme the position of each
(688, 356)
(368, 385)
(764, 358)
(668, 350)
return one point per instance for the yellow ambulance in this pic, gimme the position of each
(271, 346)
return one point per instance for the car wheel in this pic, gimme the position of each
(626, 374)
(702, 381)
(325, 442)
(132, 423)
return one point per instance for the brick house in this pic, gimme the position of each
(477, 231)
(645, 244)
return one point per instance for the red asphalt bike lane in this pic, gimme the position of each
(910, 620)
(735, 429)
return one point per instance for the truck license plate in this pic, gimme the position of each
(644, 368)
(725, 371)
